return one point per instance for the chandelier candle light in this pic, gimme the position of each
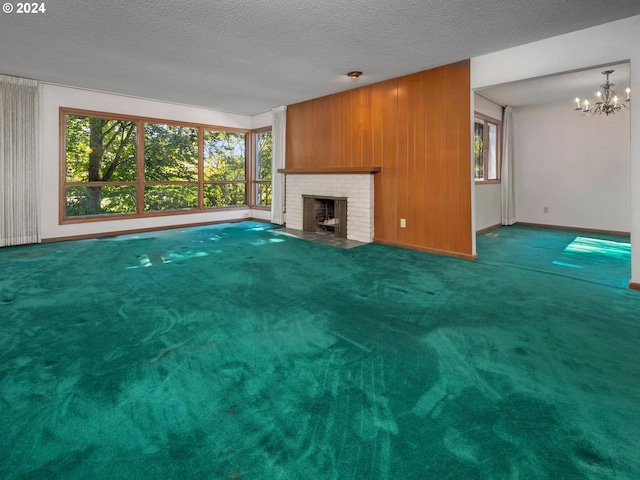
(606, 102)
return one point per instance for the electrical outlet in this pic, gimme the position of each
(403, 223)
(545, 209)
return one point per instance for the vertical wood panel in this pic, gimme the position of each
(385, 110)
(347, 146)
(367, 122)
(417, 129)
(433, 167)
(450, 171)
(356, 128)
(403, 158)
(421, 105)
(337, 128)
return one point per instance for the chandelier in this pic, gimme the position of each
(606, 102)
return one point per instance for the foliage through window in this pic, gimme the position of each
(119, 165)
(170, 167)
(487, 133)
(224, 168)
(264, 160)
(101, 164)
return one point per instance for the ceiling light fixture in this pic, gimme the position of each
(606, 100)
(354, 75)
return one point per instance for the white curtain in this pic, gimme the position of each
(19, 161)
(507, 193)
(279, 132)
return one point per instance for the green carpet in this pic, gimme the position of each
(233, 352)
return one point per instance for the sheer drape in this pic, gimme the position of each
(507, 193)
(277, 179)
(19, 162)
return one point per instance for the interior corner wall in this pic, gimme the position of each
(55, 96)
(487, 196)
(600, 45)
(576, 167)
(417, 128)
(262, 120)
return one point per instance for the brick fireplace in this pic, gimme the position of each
(355, 188)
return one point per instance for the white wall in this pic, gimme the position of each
(487, 196)
(488, 208)
(601, 45)
(576, 166)
(262, 120)
(55, 96)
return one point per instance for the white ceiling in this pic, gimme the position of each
(561, 88)
(248, 56)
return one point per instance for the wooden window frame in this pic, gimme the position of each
(140, 183)
(254, 169)
(202, 182)
(487, 119)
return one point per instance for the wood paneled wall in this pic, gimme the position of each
(418, 129)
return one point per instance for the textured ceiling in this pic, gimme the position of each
(247, 56)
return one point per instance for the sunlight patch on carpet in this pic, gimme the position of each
(565, 264)
(600, 247)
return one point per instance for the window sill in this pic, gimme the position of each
(487, 182)
(132, 216)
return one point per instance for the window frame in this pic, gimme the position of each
(255, 181)
(144, 183)
(486, 120)
(247, 170)
(140, 183)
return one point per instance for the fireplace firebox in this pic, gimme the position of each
(325, 215)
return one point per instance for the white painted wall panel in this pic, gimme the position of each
(576, 166)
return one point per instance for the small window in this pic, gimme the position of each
(487, 135)
(264, 160)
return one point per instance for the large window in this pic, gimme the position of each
(170, 167)
(100, 171)
(224, 169)
(116, 165)
(487, 133)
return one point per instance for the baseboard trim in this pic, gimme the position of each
(634, 285)
(144, 230)
(437, 251)
(577, 229)
(486, 229)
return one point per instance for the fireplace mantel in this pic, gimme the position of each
(330, 170)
